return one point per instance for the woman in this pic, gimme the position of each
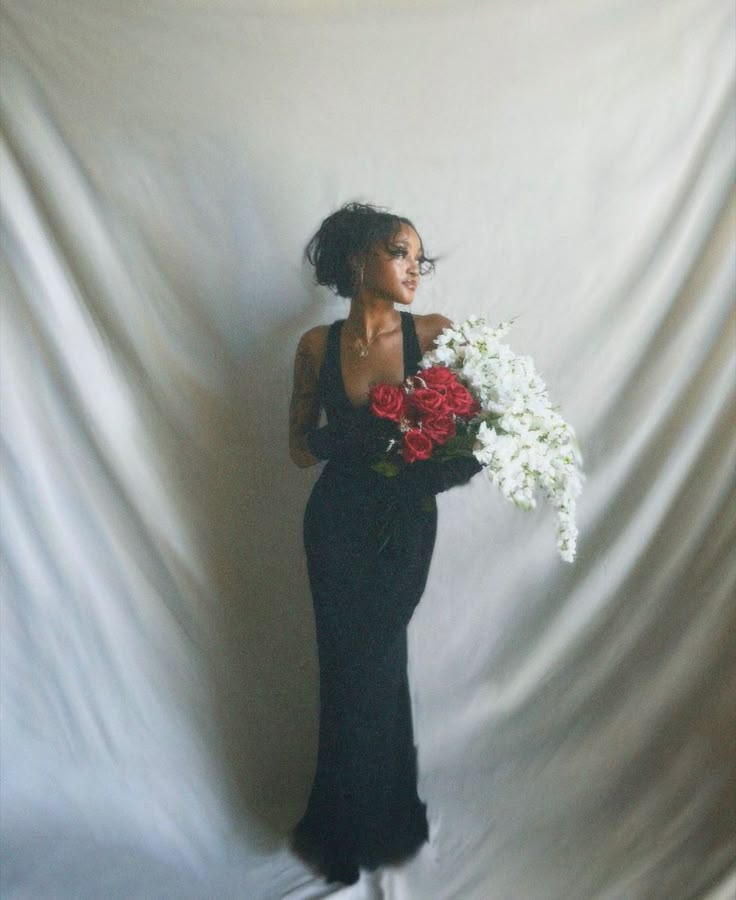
(364, 810)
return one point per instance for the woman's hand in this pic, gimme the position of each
(359, 438)
(435, 476)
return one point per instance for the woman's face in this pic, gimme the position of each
(391, 271)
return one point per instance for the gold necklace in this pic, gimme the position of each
(364, 345)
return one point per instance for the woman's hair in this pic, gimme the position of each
(346, 235)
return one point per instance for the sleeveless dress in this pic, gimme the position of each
(363, 810)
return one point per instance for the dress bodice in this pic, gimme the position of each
(333, 396)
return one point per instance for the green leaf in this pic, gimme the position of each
(386, 468)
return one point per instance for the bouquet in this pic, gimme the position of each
(473, 394)
(428, 409)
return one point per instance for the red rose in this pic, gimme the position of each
(416, 446)
(387, 401)
(428, 402)
(438, 378)
(461, 401)
(439, 428)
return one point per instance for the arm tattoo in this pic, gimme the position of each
(304, 406)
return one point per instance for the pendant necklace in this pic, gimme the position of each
(364, 345)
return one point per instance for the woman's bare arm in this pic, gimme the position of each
(304, 407)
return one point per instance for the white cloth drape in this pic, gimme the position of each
(162, 167)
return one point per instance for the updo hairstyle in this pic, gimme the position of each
(346, 235)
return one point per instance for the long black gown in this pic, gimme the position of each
(363, 810)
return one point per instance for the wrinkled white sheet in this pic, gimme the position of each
(163, 165)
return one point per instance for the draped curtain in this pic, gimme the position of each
(163, 165)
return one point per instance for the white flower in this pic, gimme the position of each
(520, 438)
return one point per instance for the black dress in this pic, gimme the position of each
(363, 810)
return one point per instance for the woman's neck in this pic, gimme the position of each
(367, 318)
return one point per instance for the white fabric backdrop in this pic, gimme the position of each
(163, 165)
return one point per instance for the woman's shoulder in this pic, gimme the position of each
(428, 327)
(314, 340)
